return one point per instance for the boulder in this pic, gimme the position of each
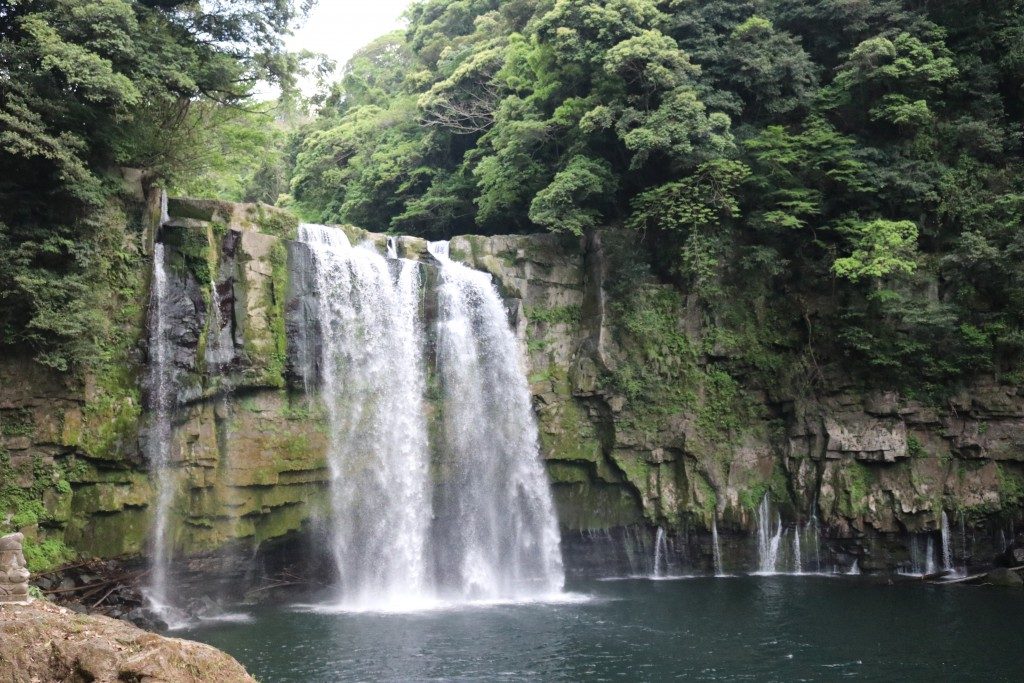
(1005, 577)
(46, 643)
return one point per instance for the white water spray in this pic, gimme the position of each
(798, 563)
(769, 537)
(158, 442)
(497, 531)
(660, 555)
(372, 386)
(716, 550)
(947, 544)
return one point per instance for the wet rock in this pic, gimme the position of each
(1004, 577)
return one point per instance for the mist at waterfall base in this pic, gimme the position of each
(761, 628)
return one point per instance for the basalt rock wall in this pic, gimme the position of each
(639, 424)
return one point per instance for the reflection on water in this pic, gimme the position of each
(746, 628)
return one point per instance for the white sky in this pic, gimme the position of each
(338, 28)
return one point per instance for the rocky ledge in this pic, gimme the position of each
(42, 642)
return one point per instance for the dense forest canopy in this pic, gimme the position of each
(838, 177)
(87, 86)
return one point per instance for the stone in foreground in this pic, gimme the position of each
(13, 573)
(45, 643)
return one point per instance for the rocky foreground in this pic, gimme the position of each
(42, 642)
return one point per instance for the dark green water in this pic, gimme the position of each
(737, 629)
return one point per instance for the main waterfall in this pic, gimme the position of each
(477, 522)
(372, 385)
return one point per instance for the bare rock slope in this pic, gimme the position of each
(42, 642)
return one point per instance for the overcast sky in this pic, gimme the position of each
(338, 28)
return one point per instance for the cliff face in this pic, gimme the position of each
(642, 420)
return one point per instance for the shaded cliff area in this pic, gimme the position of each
(651, 412)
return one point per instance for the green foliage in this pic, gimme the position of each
(567, 203)
(21, 507)
(90, 86)
(41, 556)
(880, 248)
(566, 315)
(659, 370)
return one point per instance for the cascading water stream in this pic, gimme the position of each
(497, 535)
(798, 564)
(716, 550)
(373, 386)
(769, 537)
(660, 569)
(158, 442)
(947, 543)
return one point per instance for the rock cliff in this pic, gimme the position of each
(644, 420)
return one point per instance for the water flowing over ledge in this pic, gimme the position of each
(484, 529)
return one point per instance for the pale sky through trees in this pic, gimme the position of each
(338, 28)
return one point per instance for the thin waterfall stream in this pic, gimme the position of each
(716, 550)
(769, 537)
(158, 442)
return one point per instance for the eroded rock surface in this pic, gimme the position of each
(43, 643)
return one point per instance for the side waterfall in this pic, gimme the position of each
(947, 544)
(798, 562)
(769, 537)
(716, 550)
(158, 441)
(660, 555)
(373, 386)
(497, 534)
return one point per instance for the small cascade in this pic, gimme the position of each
(947, 543)
(769, 537)
(854, 569)
(165, 216)
(218, 349)
(497, 531)
(798, 564)
(660, 567)
(392, 247)
(439, 250)
(716, 550)
(930, 565)
(158, 441)
(963, 537)
(372, 386)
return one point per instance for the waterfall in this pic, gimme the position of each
(165, 217)
(392, 247)
(854, 569)
(497, 527)
(218, 349)
(158, 440)
(947, 544)
(797, 559)
(373, 386)
(716, 550)
(769, 537)
(660, 569)
(929, 560)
